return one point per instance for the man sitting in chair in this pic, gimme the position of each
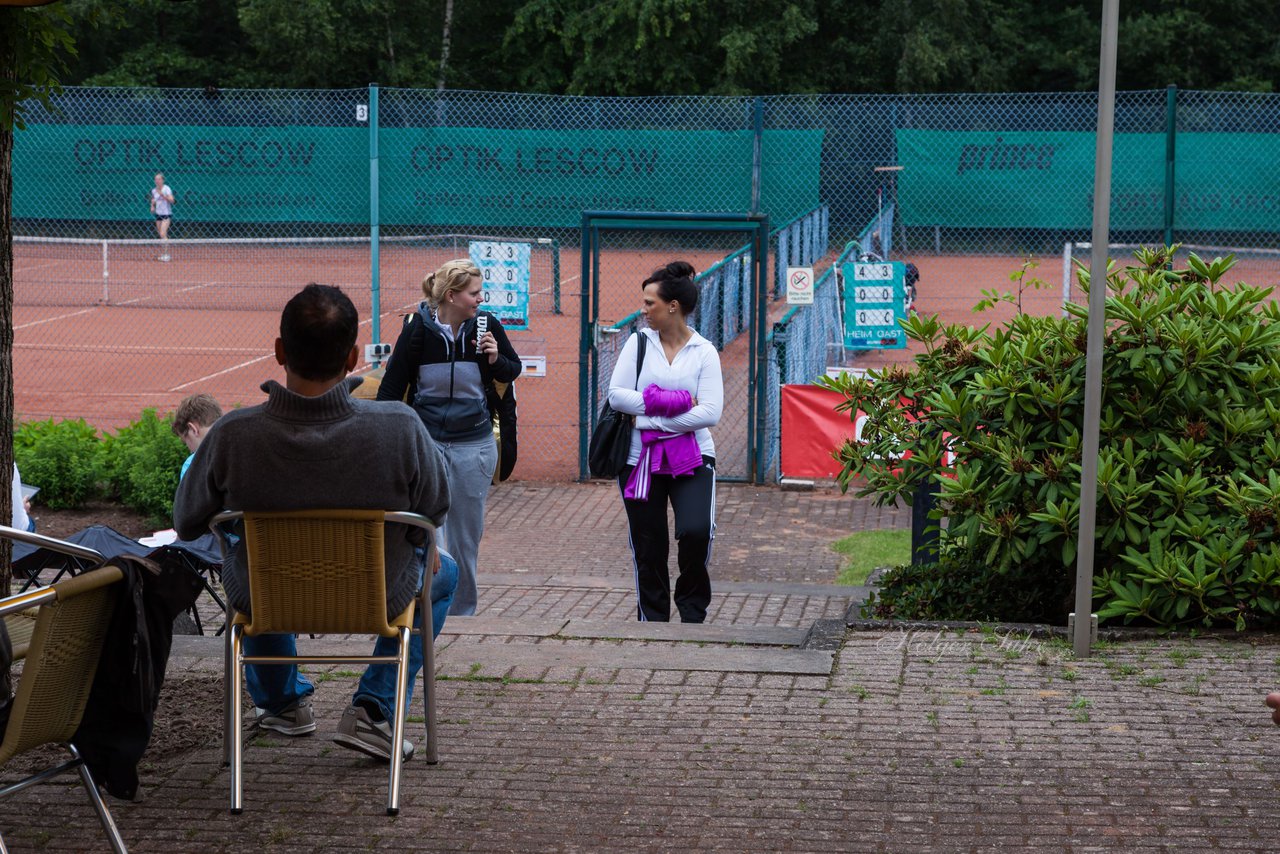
(314, 446)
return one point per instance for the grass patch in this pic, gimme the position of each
(865, 550)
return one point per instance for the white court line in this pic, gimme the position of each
(18, 271)
(224, 371)
(56, 319)
(197, 287)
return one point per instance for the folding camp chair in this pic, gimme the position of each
(322, 572)
(33, 552)
(58, 667)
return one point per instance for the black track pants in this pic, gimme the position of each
(693, 498)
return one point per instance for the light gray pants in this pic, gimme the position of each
(469, 467)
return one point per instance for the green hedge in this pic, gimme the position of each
(72, 464)
(1188, 514)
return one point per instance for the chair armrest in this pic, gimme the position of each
(219, 527)
(40, 541)
(20, 602)
(417, 520)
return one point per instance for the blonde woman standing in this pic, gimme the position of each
(445, 367)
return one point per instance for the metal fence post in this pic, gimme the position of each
(757, 152)
(1170, 152)
(375, 290)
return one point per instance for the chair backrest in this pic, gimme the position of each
(317, 571)
(61, 661)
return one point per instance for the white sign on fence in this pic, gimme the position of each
(800, 286)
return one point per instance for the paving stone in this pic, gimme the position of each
(583, 731)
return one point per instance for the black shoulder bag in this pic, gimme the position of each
(611, 441)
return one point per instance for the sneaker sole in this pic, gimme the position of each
(352, 742)
(295, 731)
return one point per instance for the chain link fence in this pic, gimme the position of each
(373, 189)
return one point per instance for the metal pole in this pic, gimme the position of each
(374, 216)
(586, 333)
(555, 275)
(757, 152)
(1097, 306)
(758, 357)
(1170, 151)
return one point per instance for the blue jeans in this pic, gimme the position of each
(278, 687)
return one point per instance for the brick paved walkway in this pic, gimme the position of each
(566, 726)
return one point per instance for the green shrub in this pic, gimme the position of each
(62, 458)
(141, 463)
(954, 590)
(1188, 514)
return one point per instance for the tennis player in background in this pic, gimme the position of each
(162, 209)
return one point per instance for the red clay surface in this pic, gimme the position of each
(206, 321)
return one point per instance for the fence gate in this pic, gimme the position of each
(620, 249)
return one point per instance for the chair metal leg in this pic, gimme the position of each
(236, 640)
(228, 724)
(429, 675)
(104, 815)
(397, 728)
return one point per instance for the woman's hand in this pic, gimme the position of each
(489, 346)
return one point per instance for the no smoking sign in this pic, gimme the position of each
(800, 285)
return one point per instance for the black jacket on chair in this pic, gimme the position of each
(118, 719)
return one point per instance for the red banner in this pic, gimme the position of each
(812, 430)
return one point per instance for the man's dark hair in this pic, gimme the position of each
(318, 328)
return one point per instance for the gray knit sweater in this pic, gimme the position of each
(310, 453)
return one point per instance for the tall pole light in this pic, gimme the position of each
(1082, 631)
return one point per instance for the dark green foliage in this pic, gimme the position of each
(672, 47)
(955, 590)
(1188, 517)
(63, 458)
(141, 462)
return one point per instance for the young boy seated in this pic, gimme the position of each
(192, 421)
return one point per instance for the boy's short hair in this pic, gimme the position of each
(199, 409)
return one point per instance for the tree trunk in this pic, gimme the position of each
(444, 42)
(8, 65)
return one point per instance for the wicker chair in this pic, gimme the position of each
(57, 673)
(322, 572)
(79, 558)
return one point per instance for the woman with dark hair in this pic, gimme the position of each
(676, 398)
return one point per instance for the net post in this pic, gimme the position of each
(1066, 276)
(555, 276)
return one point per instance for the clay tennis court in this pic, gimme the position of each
(151, 332)
(206, 322)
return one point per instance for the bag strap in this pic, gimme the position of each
(417, 343)
(640, 346)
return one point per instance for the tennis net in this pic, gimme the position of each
(251, 274)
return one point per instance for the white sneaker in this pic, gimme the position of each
(163, 258)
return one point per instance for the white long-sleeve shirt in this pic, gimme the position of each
(20, 519)
(696, 369)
